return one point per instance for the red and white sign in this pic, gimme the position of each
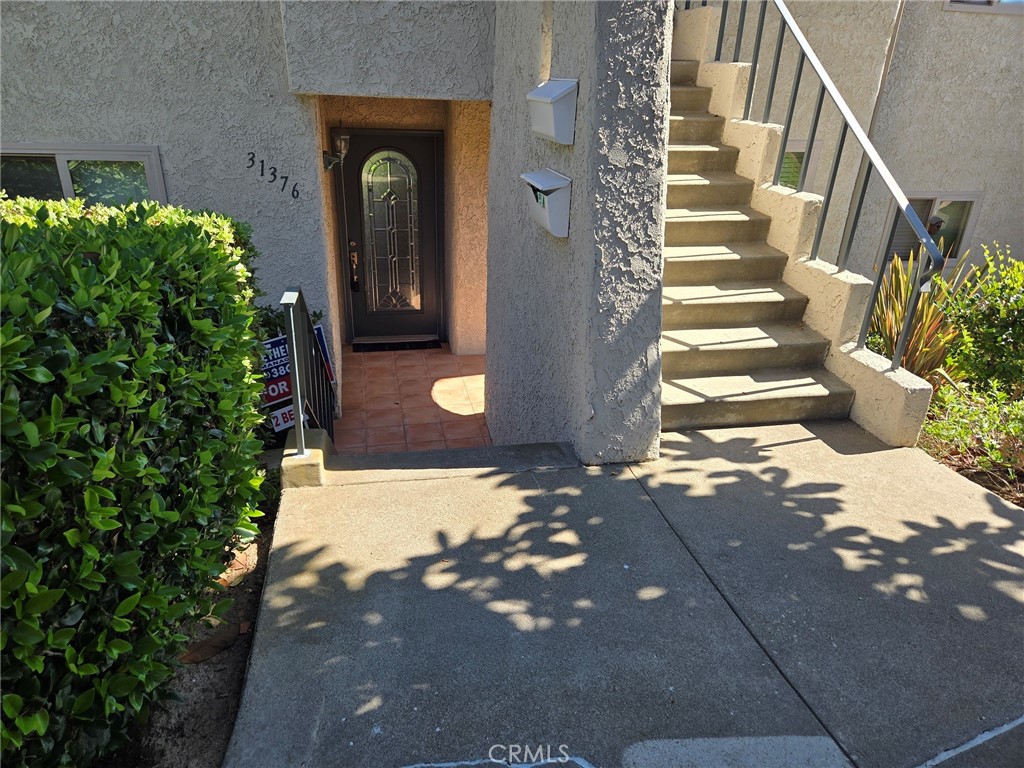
(283, 419)
(277, 390)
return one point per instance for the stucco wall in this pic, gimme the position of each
(206, 82)
(406, 49)
(950, 120)
(574, 323)
(467, 144)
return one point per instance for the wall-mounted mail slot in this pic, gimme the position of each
(548, 193)
(553, 110)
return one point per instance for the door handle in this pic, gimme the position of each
(353, 262)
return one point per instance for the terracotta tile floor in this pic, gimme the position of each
(413, 400)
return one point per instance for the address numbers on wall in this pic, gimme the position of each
(271, 175)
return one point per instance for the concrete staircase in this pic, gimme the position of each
(734, 347)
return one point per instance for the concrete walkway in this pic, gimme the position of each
(775, 597)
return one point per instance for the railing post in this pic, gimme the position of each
(789, 117)
(721, 30)
(810, 139)
(912, 302)
(739, 32)
(775, 70)
(851, 223)
(754, 59)
(312, 391)
(289, 300)
(828, 193)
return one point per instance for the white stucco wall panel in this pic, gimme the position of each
(206, 82)
(574, 323)
(537, 284)
(405, 49)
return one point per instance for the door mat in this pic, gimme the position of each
(394, 346)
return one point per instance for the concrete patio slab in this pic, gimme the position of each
(469, 617)
(889, 590)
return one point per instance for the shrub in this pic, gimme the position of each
(130, 384)
(990, 319)
(980, 433)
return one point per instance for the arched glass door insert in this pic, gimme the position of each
(391, 232)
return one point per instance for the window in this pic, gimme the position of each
(986, 6)
(955, 215)
(100, 174)
(793, 161)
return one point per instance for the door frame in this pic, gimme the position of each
(341, 224)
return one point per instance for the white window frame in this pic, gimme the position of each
(148, 155)
(996, 7)
(966, 236)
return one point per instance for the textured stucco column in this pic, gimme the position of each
(573, 324)
(467, 143)
(629, 198)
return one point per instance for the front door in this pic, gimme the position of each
(391, 185)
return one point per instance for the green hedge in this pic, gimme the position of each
(130, 384)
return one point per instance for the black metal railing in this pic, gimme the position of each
(313, 397)
(871, 162)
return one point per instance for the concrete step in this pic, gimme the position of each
(690, 98)
(697, 158)
(704, 351)
(729, 304)
(695, 126)
(762, 397)
(702, 190)
(711, 226)
(684, 72)
(729, 262)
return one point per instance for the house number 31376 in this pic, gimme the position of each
(270, 173)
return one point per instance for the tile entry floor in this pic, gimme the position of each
(411, 400)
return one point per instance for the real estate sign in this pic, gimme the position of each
(277, 379)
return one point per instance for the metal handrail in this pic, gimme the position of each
(313, 395)
(872, 160)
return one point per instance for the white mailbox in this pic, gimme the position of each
(548, 193)
(553, 110)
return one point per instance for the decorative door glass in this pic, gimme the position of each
(391, 232)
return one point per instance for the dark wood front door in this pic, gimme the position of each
(391, 184)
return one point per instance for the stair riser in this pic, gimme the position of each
(684, 72)
(713, 272)
(718, 314)
(714, 232)
(677, 364)
(697, 131)
(696, 161)
(707, 195)
(780, 411)
(690, 99)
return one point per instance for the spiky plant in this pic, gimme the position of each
(932, 333)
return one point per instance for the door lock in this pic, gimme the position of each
(353, 262)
